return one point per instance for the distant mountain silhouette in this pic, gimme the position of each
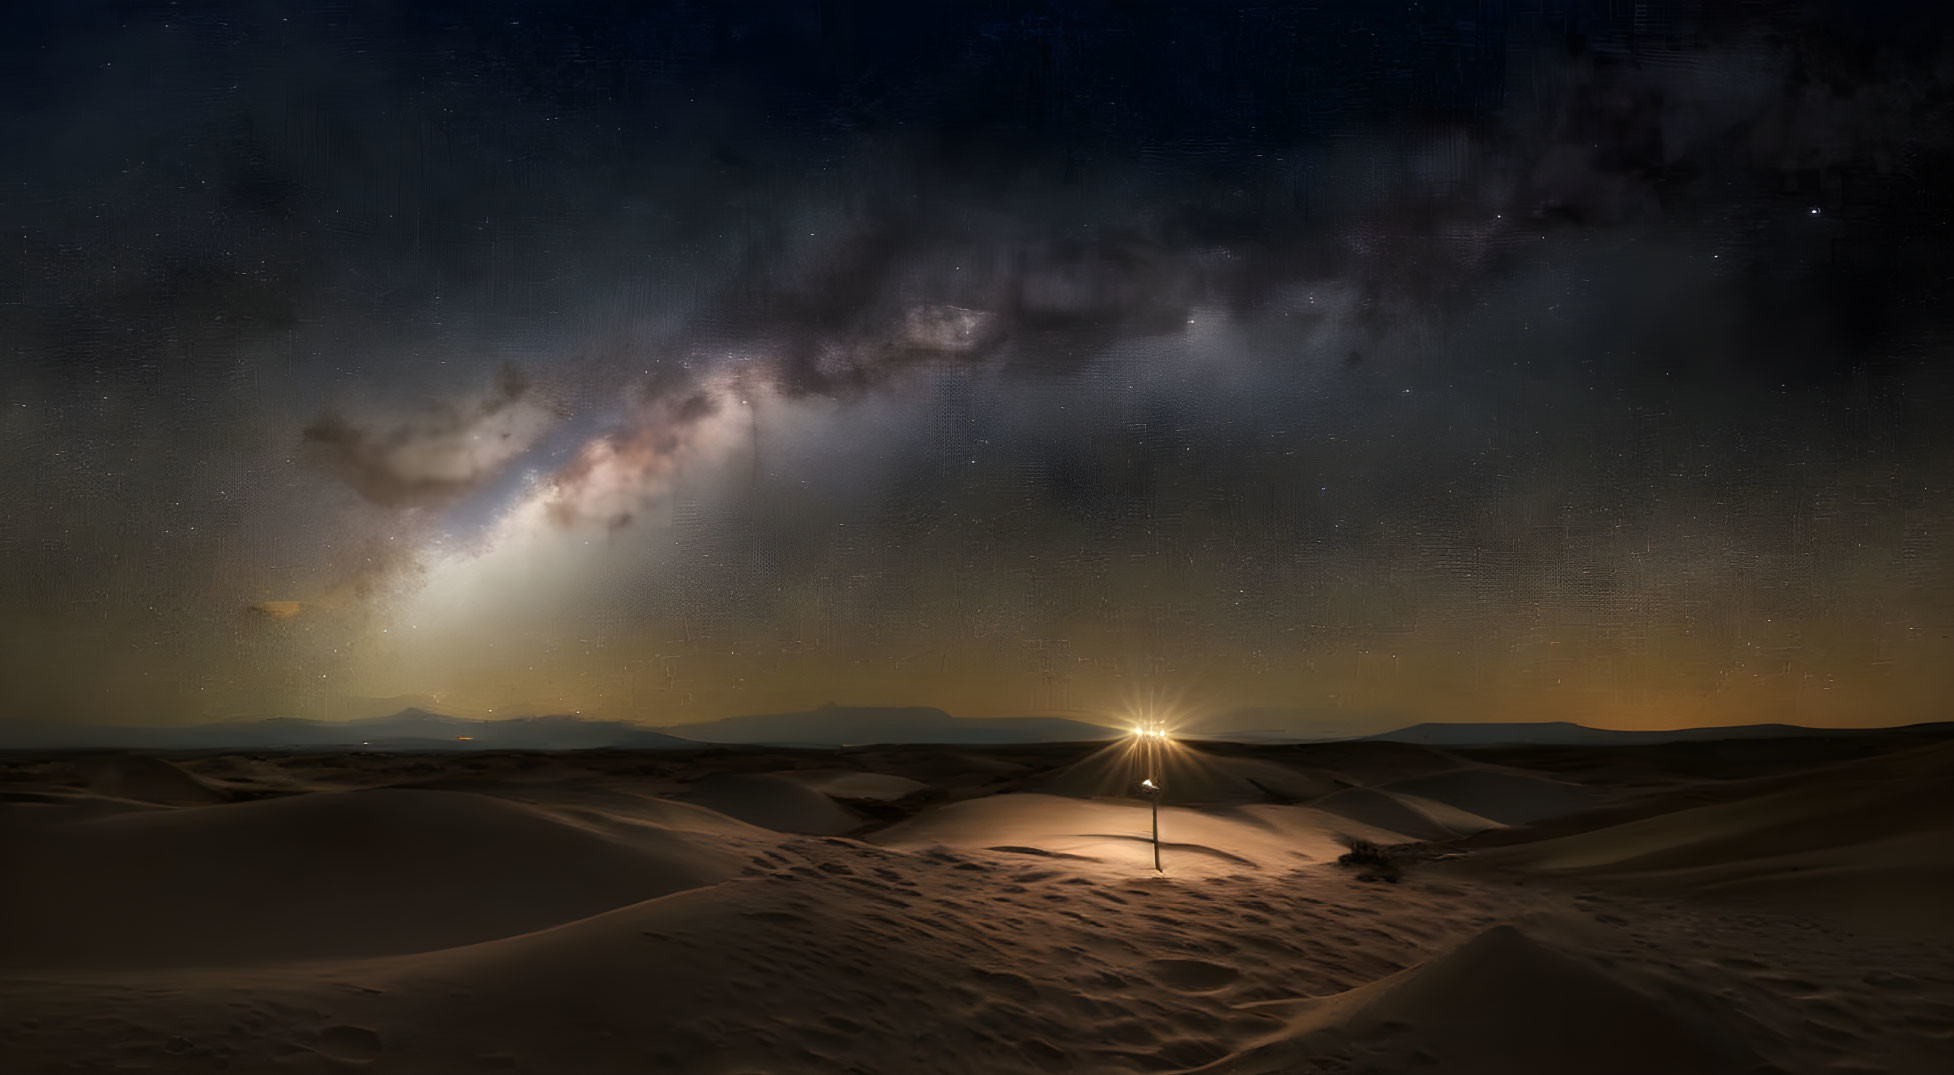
(831, 726)
(1292, 724)
(1566, 733)
(419, 729)
(409, 729)
(360, 707)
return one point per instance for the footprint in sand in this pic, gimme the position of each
(1192, 975)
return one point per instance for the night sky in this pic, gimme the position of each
(1324, 366)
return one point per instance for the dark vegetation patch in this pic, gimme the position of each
(1372, 861)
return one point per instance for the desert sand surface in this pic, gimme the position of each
(1745, 906)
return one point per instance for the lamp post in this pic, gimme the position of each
(1153, 737)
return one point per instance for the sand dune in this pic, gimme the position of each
(1367, 761)
(1507, 796)
(320, 875)
(567, 913)
(1899, 886)
(1836, 805)
(772, 802)
(630, 817)
(1415, 817)
(1500, 1003)
(852, 784)
(1114, 831)
(1187, 776)
(829, 956)
(1871, 841)
(149, 779)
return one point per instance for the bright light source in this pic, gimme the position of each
(1149, 785)
(1151, 729)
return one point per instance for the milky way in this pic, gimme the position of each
(1319, 367)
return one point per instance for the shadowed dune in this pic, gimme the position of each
(849, 784)
(1415, 817)
(328, 874)
(772, 802)
(1501, 1002)
(1871, 841)
(1506, 796)
(149, 779)
(1366, 762)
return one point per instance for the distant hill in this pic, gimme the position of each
(832, 726)
(1292, 724)
(1566, 733)
(420, 729)
(829, 726)
(409, 729)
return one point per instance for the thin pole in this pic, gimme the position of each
(1154, 750)
(1156, 833)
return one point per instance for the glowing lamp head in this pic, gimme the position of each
(1152, 729)
(1149, 785)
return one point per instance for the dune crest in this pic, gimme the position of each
(772, 802)
(1415, 817)
(150, 779)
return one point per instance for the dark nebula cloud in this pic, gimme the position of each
(437, 453)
